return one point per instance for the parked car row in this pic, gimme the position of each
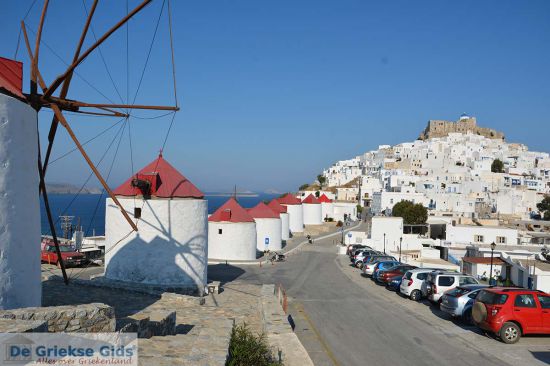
(509, 313)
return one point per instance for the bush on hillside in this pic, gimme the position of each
(247, 349)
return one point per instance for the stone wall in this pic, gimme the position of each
(441, 128)
(93, 318)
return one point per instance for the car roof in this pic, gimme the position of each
(473, 287)
(513, 289)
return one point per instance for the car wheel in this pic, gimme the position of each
(479, 312)
(510, 333)
(415, 295)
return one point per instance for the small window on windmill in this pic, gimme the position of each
(219, 231)
(137, 212)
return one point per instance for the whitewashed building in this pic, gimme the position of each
(327, 207)
(295, 213)
(231, 233)
(268, 227)
(171, 246)
(20, 274)
(277, 207)
(312, 211)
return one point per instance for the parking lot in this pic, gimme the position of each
(531, 350)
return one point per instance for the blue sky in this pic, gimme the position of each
(274, 91)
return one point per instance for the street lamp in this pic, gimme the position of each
(493, 246)
(400, 245)
(343, 235)
(384, 243)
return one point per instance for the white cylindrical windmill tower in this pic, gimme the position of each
(295, 213)
(20, 276)
(277, 207)
(231, 233)
(171, 246)
(268, 227)
(312, 211)
(327, 207)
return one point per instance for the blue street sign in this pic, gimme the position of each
(266, 241)
(349, 235)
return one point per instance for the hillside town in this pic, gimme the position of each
(478, 190)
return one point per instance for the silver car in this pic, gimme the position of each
(458, 302)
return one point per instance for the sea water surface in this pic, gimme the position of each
(89, 209)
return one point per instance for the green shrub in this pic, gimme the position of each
(247, 349)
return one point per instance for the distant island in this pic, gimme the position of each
(229, 194)
(66, 188)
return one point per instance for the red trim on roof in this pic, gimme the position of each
(324, 199)
(483, 260)
(170, 182)
(289, 199)
(262, 211)
(311, 200)
(276, 206)
(231, 211)
(11, 77)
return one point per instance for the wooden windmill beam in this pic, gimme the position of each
(49, 91)
(34, 60)
(65, 124)
(77, 103)
(65, 87)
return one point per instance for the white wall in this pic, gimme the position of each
(170, 248)
(20, 273)
(284, 226)
(344, 208)
(466, 234)
(391, 226)
(268, 229)
(327, 209)
(312, 214)
(295, 218)
(237, 241)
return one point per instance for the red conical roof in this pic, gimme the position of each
(231, 211)
(170, 182)
(276, 206)
(311, 200)
(324, 199)
(289, 200)
(262, 211)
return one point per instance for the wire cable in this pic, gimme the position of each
(20, 30)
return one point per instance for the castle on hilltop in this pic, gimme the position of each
(465, 124)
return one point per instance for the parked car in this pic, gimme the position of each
(70, 257)
(411, 285)
(385, 276)
(439, 282)
(394, 283)
(353, 247)
(510, 313)
(458, 302)
(379, 263)
(362, 257)
(354, 253)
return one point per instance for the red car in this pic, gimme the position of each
(386, 276)
(69, 255)
(512, 312)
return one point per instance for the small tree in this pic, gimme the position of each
(412, 214)
(497, 166)
(245, 348)
(544, 207)
(317, 194)
(303, 186)
(322, 180)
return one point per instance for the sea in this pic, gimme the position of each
(88, 210)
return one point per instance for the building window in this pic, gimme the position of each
(501, 239)
(478, 238)
(391, 200)
(220, 231)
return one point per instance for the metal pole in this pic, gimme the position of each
(491, 268)
(400, 245)
(384, 243)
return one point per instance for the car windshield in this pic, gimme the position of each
(491, 298)
(408, 275)
(65, 248)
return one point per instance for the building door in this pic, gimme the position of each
(520, 278)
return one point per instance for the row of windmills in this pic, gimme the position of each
(176, 237)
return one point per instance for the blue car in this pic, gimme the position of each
(394, 283)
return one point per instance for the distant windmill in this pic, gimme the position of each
(46, 98)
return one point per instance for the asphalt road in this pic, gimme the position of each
(345, 319)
